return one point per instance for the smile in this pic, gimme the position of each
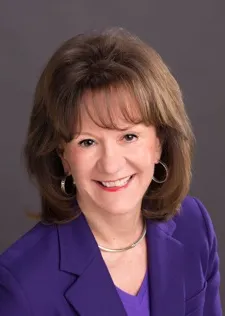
(121, 183)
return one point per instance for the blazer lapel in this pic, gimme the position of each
(166, 270)
(92, 291)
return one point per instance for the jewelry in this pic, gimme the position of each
(128, 247)
(63, 184)
(166, 173)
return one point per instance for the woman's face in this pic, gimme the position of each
(112, 169)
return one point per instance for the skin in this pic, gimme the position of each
(100, 154)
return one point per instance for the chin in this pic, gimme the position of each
(119, 209)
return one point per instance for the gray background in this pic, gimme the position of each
(188, 34)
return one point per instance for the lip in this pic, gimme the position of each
(115, 189)
(116, 179)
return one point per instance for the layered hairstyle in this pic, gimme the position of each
(106, 62)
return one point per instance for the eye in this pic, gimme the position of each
(130, 137)
(86, 143)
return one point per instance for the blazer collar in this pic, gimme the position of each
(93, 292)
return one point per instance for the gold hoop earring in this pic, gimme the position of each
(166, 173)
(67, 180)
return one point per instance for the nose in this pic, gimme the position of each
(111, 159)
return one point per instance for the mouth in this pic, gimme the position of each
(116, 184)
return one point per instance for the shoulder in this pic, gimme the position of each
(194, 218)
(30, 268)
(194, 229)
(33, 245)
(191, 226)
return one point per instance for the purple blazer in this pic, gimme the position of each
(58, 270)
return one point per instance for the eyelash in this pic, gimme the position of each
(85, 141)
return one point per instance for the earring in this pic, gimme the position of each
(65, 182)
(166, 173)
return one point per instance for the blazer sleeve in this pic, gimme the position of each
(12, 299)
(212, 305)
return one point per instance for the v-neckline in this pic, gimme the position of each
(129, 298)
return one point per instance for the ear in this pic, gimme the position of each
(65, 163)
(158, 151)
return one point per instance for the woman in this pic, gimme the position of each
(109, 145)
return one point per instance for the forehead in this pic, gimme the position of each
(112, 108)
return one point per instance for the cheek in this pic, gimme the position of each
(80, 163)
(145, 155)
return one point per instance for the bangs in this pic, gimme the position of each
(113, 107)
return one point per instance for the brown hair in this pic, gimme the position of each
(100, 61)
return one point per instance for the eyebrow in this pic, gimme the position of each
(84, 134)
(128, 127)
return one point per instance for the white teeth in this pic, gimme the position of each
(118, 183)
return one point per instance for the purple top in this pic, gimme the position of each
(139, 304)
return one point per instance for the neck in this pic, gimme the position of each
(114, 230)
